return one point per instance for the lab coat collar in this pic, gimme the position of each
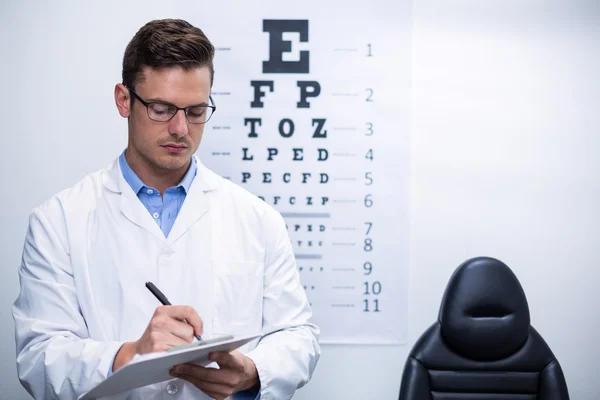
(193, 209)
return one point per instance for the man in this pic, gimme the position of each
(157, 214)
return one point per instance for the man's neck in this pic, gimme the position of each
(151, 176)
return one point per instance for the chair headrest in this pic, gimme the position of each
(484, 313)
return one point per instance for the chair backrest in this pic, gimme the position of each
(482, 347)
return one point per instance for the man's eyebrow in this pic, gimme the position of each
(159, 100)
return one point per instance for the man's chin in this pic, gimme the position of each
(172, 163)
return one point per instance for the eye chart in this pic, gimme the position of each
(313, 116)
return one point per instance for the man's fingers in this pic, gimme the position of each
(214, 390)
(165, 323)
(174, 340)
(215, 396)
(167, 329)
(227, 360)
(214, 375)
(181, 330)
(181, 313)
(160, 341)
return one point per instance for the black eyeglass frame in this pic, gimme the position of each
(185, 109)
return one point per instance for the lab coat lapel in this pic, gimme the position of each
(195, 205)
(131, 207)
(135, 211)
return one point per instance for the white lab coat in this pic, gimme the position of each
(89, 251)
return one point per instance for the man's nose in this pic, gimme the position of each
(178, 125)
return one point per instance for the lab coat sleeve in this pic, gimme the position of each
(285, 359)
(56, 359)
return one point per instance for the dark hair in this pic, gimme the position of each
(166, 43)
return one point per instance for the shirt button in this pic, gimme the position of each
(149, 191)
(156, 215)
(172, 388)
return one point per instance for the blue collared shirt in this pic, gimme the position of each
(163, 209)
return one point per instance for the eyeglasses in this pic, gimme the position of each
(163, 112)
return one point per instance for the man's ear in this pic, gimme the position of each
(123, 100)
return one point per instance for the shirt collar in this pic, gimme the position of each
(186, 182)
(136, 183)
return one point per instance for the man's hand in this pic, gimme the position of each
(166, 329)
(236, 373)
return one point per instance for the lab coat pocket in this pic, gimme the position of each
(238, 291)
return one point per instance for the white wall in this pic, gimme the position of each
(505, 159)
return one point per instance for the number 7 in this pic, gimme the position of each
(370, 224)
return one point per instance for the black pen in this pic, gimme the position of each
(163, 299)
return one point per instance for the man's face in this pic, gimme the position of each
(167, 146)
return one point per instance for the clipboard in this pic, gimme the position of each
(154, 367)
